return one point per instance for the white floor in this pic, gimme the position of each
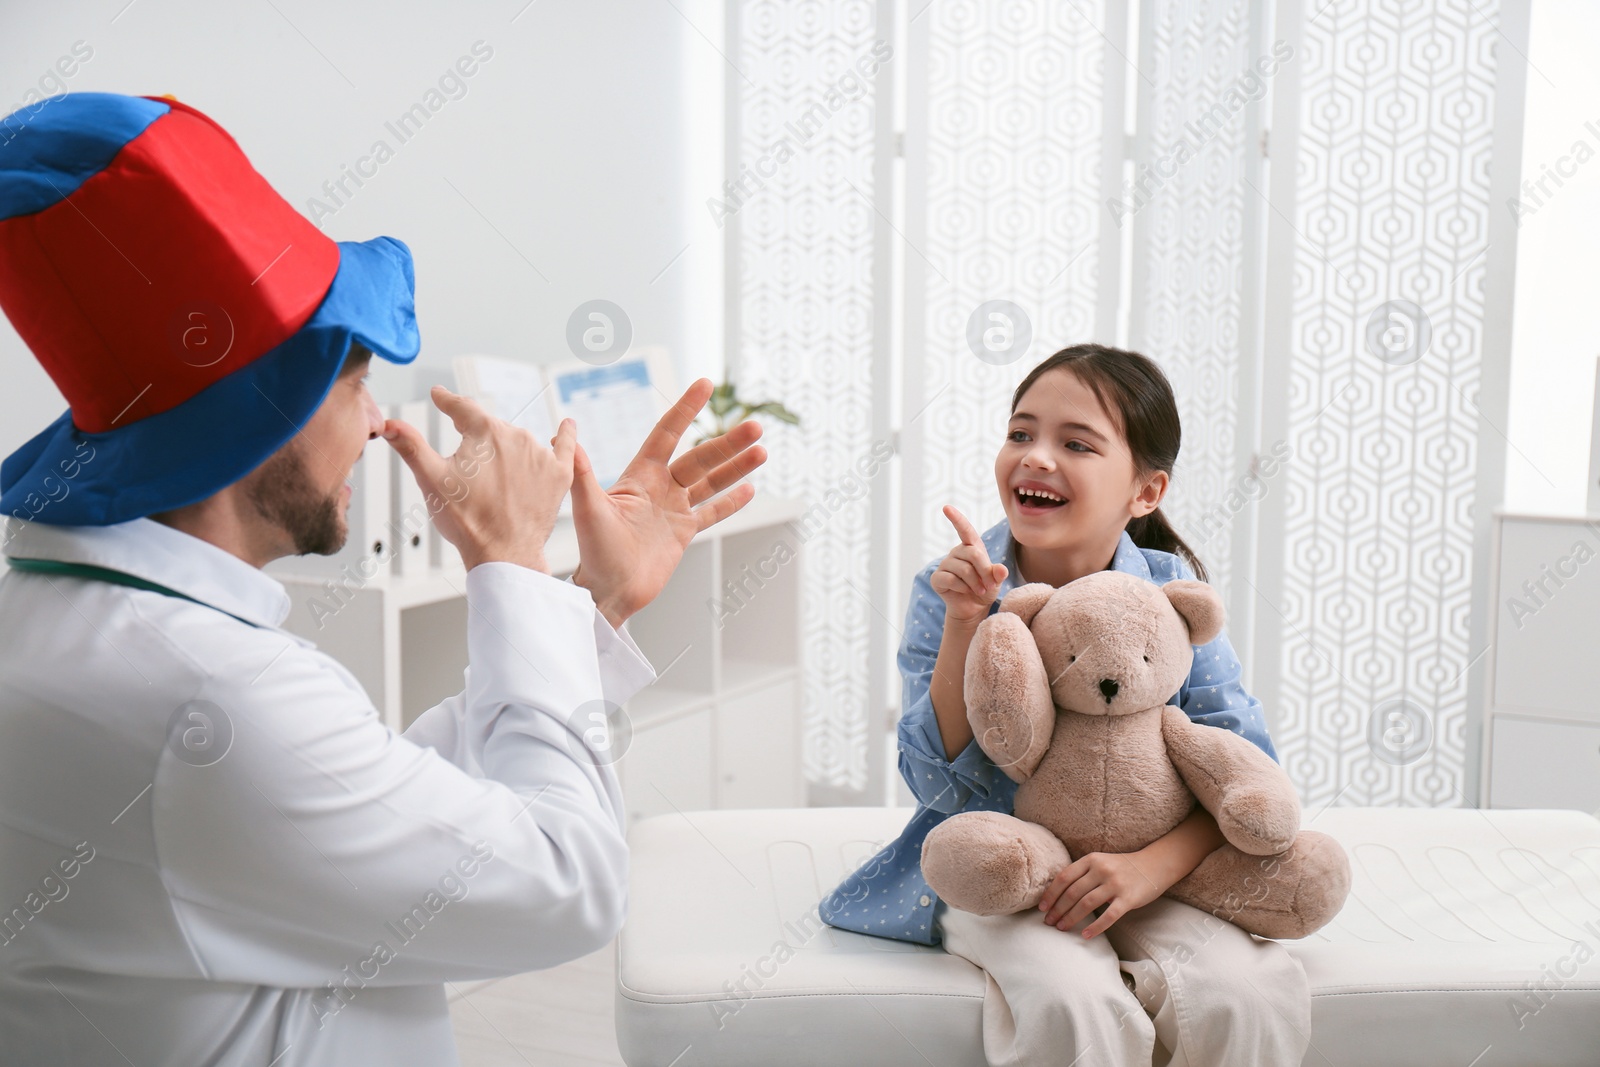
(562, 1017)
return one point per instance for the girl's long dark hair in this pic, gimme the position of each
(1132, 385)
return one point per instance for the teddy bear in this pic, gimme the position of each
(1066, 690)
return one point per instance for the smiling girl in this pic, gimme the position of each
(1087, 458)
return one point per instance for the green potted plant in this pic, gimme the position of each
(727, 410)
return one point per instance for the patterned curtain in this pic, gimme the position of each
(1193, 199)
(1006, 231)
(1376, 356)
(1320, 293)
(800, 193)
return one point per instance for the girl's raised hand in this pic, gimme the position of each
(966, 581)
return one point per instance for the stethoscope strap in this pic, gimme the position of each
(107, 574)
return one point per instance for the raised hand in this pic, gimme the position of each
(632, 535)
(966, 581)
(497, 497)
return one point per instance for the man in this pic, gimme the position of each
(212, 851)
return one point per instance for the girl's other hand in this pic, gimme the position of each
(966, 581)
(1116, 880)
(1123, 882)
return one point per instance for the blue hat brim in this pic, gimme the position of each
(66, 477)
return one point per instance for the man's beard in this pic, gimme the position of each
(281, 494)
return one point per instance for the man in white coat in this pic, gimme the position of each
(212, 849)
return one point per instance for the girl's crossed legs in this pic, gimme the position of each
(1166, 985)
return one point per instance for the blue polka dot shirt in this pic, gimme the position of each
(887, 896)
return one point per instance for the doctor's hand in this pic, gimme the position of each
(496, 499)
(631, 536)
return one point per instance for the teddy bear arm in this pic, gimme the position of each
(1008, 695)
(1251, 798)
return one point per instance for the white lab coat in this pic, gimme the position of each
(301, 900)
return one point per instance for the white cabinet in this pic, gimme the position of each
(1541, 737)
(755, 763)
(668, 767)
(1539, 763)
(721, 725)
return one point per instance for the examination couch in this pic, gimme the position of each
(1470, 937)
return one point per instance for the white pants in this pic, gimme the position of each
(1166, 985)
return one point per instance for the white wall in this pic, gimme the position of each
(589, 140)
(1556, 330)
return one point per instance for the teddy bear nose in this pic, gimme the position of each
(1108, 688)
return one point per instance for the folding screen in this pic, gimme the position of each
(1328, 291)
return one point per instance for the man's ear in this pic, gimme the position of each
(1026, 600)
(1199, 605)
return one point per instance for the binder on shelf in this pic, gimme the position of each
(369, 542)
(1592, 501)
(369, 549)
(409, 522)
(445, 439)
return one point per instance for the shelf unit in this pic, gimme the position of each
(720, 728)
(1541, 725)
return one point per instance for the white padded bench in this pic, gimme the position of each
(1456, 917)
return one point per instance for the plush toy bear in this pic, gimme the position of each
(1067, 692)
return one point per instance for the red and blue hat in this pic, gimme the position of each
(191, 317)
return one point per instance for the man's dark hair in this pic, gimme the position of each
(358, 356)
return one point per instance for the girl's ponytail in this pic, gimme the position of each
(1154, 531)
(1134, 387)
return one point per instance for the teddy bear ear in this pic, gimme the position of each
(1026, 600)
(1200, 606)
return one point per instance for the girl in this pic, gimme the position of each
(1087, 458)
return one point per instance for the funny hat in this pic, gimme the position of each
(191, 317)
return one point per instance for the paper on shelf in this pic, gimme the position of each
(615, 405)
(510, 389)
